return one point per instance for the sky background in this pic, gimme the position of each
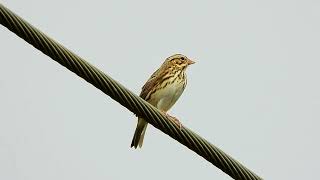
(253, 92)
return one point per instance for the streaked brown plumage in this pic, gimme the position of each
(162, 90)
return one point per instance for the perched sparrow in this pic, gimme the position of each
(162, 90)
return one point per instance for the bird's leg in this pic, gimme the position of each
(173, 119)
(176, 120)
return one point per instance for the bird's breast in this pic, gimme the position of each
(166, 97)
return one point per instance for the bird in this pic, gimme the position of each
(162, 90)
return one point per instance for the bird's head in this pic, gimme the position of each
(178, 61)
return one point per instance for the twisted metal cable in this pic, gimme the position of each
(125, 97)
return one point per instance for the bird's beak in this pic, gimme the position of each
(190, 62)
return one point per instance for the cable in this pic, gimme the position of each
(122, 95)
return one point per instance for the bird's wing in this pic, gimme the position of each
(151, 84)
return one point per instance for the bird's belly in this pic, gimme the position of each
(168, 96)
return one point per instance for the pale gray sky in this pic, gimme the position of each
(254, 91)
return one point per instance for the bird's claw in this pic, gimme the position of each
(174, 120)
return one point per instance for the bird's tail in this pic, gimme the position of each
(139, 133)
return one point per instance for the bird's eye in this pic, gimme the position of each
(182, 58)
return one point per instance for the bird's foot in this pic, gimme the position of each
(174, 120)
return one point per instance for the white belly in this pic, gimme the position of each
(165, 98)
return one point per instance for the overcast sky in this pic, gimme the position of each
(253, 92)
